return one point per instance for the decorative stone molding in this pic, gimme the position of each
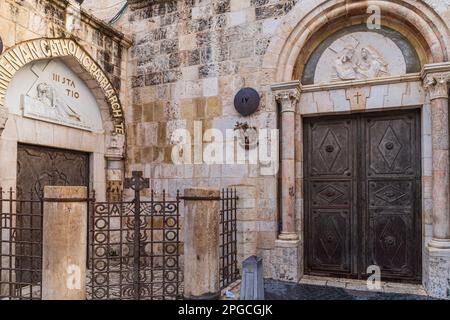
(437, 85)
(412, 77)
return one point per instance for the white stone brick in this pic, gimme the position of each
(236, 5)
(237, 18)
(377, 95)
(414, 95)
(395, 95)
(210, 87)
(339, 100)
(269, 26)
(307, 105)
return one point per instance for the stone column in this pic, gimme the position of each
(436, 84)
(287, 100)
(437, 260)
(201, 244)
(64, 243)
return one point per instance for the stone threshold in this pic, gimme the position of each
(361, 285)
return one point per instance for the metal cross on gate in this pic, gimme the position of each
(137, 183)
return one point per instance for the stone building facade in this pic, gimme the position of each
(178, 64)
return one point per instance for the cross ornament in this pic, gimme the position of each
(357, 96)
(136, 182)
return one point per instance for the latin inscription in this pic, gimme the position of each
(71, 90)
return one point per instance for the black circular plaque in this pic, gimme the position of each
(247, 101)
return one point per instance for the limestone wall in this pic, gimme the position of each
(188, 61)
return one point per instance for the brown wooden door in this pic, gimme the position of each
(363, 195)
(38, 167)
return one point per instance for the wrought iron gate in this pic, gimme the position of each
(228, 270)
(21, 245)
(135, 246)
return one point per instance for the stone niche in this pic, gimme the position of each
(357, 53)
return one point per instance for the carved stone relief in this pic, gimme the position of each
(115, 145)
(50, 91)
(360, 55)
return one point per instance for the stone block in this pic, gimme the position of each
(377, 95)
(286, 260)
(64, 245)
(395, 95)
(437, 280)
(201, 240)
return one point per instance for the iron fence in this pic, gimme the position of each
(228, 269)
(135, 247)
(21, 217)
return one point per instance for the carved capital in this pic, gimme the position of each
(437, 85)
(287, 99)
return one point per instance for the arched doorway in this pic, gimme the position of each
(63, 125)
(53, 94)
(321, 67)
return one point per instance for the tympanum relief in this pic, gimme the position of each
(47, 103)
(360, 55)
(49, 91)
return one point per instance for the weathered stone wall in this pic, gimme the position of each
(188, 61)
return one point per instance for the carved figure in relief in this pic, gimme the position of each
(371, 64)
(48, 96)
(352, 66)
(344, 65)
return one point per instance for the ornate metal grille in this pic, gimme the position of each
(228, 240)
(135, 247)
(21, 245)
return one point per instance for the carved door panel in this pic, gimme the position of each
(330, 187)
(38, 167)
(362, 195)
(391, 191)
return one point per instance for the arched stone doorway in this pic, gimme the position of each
(313, 72)
(62, 124)
(54, 95)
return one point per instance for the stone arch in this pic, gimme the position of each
(417, 21)
(80, 61)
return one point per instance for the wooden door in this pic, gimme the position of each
(363, 195)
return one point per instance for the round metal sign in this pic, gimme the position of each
(247, 101)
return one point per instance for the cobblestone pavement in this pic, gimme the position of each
(278, 290)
